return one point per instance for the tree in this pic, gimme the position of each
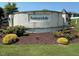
(10, 8)
(1, 16)
(1, 12)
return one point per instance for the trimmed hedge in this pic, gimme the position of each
(9, 39)
(62, 40)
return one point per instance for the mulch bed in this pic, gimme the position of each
(39, 38)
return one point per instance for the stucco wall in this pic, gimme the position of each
(54, 20)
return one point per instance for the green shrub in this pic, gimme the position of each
(10, 30)
(18, 30)
(9, 39)
(3, 31)
(70, 36)
(58, 34)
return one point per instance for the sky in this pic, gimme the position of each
(56, 6)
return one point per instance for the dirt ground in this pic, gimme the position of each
(39, 38)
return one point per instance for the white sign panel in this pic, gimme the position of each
(39, 17)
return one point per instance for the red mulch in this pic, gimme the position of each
(39, 38)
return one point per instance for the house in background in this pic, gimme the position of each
(40, 21)
(74, 15)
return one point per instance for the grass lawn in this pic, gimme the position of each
(39, 50)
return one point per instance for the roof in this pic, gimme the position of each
(38, 11)
(63, 11)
